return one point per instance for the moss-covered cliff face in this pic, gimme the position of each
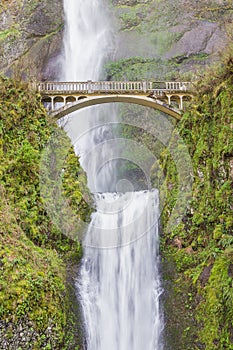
(170, 36)
(30, 38)
(199, 306)
(36, 258)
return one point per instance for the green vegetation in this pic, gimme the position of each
(34, 253)
(9, 33)
(201, 245)
(154, 15)
(140, 68)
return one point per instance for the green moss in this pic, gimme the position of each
(163, 41)
(34, 252)
(218, 305)
(11, 32)
(204, 237)
(31, 278)
(137, 68)
(218, 232)
(129, 20)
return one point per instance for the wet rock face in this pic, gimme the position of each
(130, 2)
(187, 32)
(204, 38)
(30, 38)
(190, 32)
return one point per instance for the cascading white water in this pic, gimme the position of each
(88, 43)
(88, 39)
(118, 284)
(119, 287)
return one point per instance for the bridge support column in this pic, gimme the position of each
(52, 103)
(169, 99)
(181, 102)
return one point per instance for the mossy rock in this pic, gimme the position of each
(35, 255)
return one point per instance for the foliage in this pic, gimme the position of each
(203, 241)
(140, 68)
(33, 251)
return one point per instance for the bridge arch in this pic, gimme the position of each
(70, 99)
(88, 101)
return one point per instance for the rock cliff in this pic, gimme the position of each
(30, 38)
(183, 34)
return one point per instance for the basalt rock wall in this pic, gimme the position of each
(176, 36)
(182, 34)
(31, 38)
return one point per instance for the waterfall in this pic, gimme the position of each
(119, 287)
(88, 39)
(88, 43)
(118, 284)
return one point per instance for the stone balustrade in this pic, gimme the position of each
(89, 87)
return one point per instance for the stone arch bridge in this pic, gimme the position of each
(63, 98)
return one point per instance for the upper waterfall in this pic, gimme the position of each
(88, 43)
(88, 39)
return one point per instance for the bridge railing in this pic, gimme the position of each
(116, 86)
(62, 86)
(178, 85)
(90, 86)
(111, 86)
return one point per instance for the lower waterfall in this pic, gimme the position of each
(119, 285)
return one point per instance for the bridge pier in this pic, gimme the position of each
(52, 103)
(178, 98)
(181, 102)
(169, 99)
